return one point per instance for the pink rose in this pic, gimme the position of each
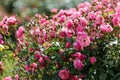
(61, 12)
(52, 34)
(62, 34)
(79, 29)
(99, 20)
(91, 15)
(37, 54)
(92, 60)
(105, 1)
(27, 67)
(4, 21)
(54, 10)
(106, 28)
(83, 22)
(62, 19)
(116, 21)
(46, 58)
(7, 78)
(80, 56)
(77, 46)
(83, 40)
(41, 60)
(16, 77)
(34, 65)
(68, 45)
(37, 31)
(69, 24)
(20, 32)
(78, 64)
(12, 20)
(75, 15)
(64, 74)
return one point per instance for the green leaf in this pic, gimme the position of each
(103, 76)
(45, 77)
(1, 47)
(55, 77)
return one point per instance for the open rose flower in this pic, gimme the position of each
(78, 64)
(83, 40)
(64, 74)
(12, 20)
(106, 28)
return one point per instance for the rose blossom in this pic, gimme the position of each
(91, 15)
(62, 19)
(34, 65)
(54, 10)
(37, 54)
(83, 40)
(12, 20)
(116, 21)
(53, 34)
(99, 20)
(16, 77)
(78, 64)
(92, 60)
(105, 1)
(80, 56)
(83, 22)
(67, 45)
(69, 24)
(106, 28)
(27, 67)
(41, 61)
(77, 46)
(20, 32)
(4, 21)
(64, 74)
(7, 78)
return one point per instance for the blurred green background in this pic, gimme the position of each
(27, 8)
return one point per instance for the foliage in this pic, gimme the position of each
(30, 7)
(80, 43)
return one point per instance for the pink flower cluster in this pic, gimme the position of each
(65, 75)
(20, 34)
(78, 62)
(6, 22)
(39, 58)
(73, 30)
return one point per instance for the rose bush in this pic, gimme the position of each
(74, 44)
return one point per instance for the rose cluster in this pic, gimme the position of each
(59, 44)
